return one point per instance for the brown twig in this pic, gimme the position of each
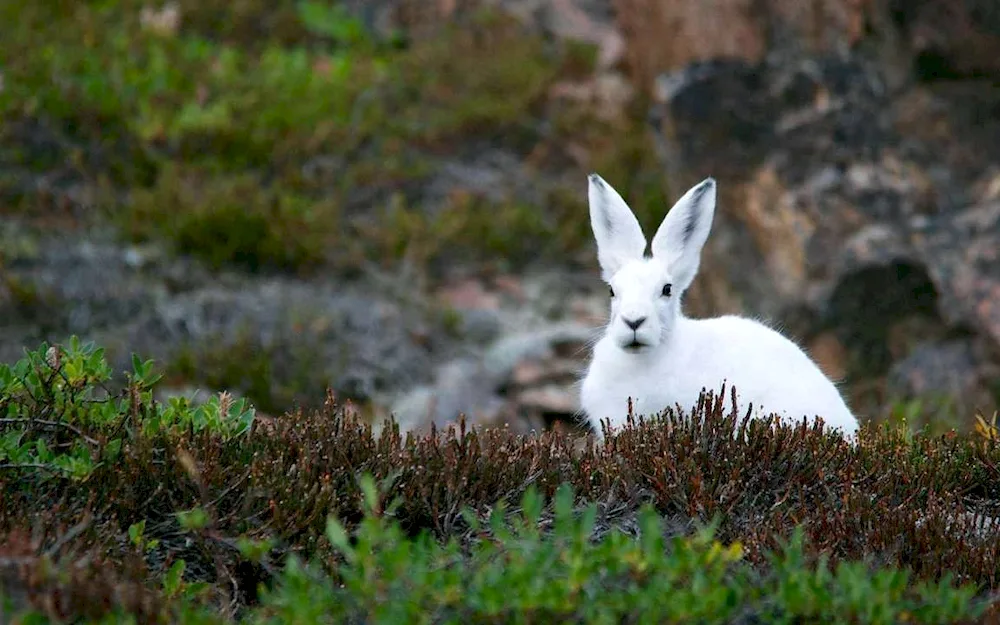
(34, 465)
(69, 535)
(51, 424)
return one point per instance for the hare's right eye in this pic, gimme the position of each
(611, 290)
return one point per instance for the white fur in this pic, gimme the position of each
(668, 359)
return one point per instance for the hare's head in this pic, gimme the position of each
(646, 290)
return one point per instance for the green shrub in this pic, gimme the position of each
(232, 220)
(58, 415)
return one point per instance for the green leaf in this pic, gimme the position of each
(193, 519)
(135, 532)
(369, 492)
(337, 536)
(173, 579)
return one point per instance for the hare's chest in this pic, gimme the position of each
(644, 392)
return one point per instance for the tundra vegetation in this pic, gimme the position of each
(283, 136)
(120, 508)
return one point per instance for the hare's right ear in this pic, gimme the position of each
(683, 233)
(619, 236)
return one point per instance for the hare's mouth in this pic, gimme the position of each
(634, 346)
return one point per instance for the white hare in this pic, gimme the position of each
(654, 355)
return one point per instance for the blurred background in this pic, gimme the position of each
(388, 197)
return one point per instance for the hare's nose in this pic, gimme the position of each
(634, 323)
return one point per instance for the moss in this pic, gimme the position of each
(468, 228)
(248, 366)
(473, 78)
(233, 219)
(579, 59)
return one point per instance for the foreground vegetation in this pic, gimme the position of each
(117, 506)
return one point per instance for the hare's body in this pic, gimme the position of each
(656, 357)
(768, 371)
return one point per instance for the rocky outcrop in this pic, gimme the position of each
(527, 381)
(665, 35)
(285, 339)
(846, 206)
(526, 373)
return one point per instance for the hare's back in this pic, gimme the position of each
(768, 369)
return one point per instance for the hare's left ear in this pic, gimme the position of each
(619, 236)
(683, 233)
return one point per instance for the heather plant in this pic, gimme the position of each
(203, 513)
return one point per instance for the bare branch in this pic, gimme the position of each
(52, 424)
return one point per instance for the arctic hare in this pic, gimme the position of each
(654, 355)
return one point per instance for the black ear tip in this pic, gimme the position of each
(593, 177)
(708, 183)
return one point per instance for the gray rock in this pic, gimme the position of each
(500, 360)
(312, 334)
(480, 326)
(461, 387)
(485, 388)
(947, 369)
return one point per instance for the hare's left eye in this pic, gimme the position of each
(611, 290)
(666, 290)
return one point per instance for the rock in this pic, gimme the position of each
(938, 38)
(523, 381)
(308, 335)
(947, 369)
(590, 21)
(951, 38)
(532, 372)
(829, 354)
(859, 205)
(480, 326)
(460, 387)
(501, 359)
(667, 35)
(550, 399)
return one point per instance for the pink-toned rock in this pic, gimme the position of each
(468, 294)
(550, 399)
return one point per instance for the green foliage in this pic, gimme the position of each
(192, 520)
(232, 220)
(58, 414)
(136, 537)
(332, 21)
(514, 571)
(250, 134)
(467, 228)
(248, 366)
(220, 414)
